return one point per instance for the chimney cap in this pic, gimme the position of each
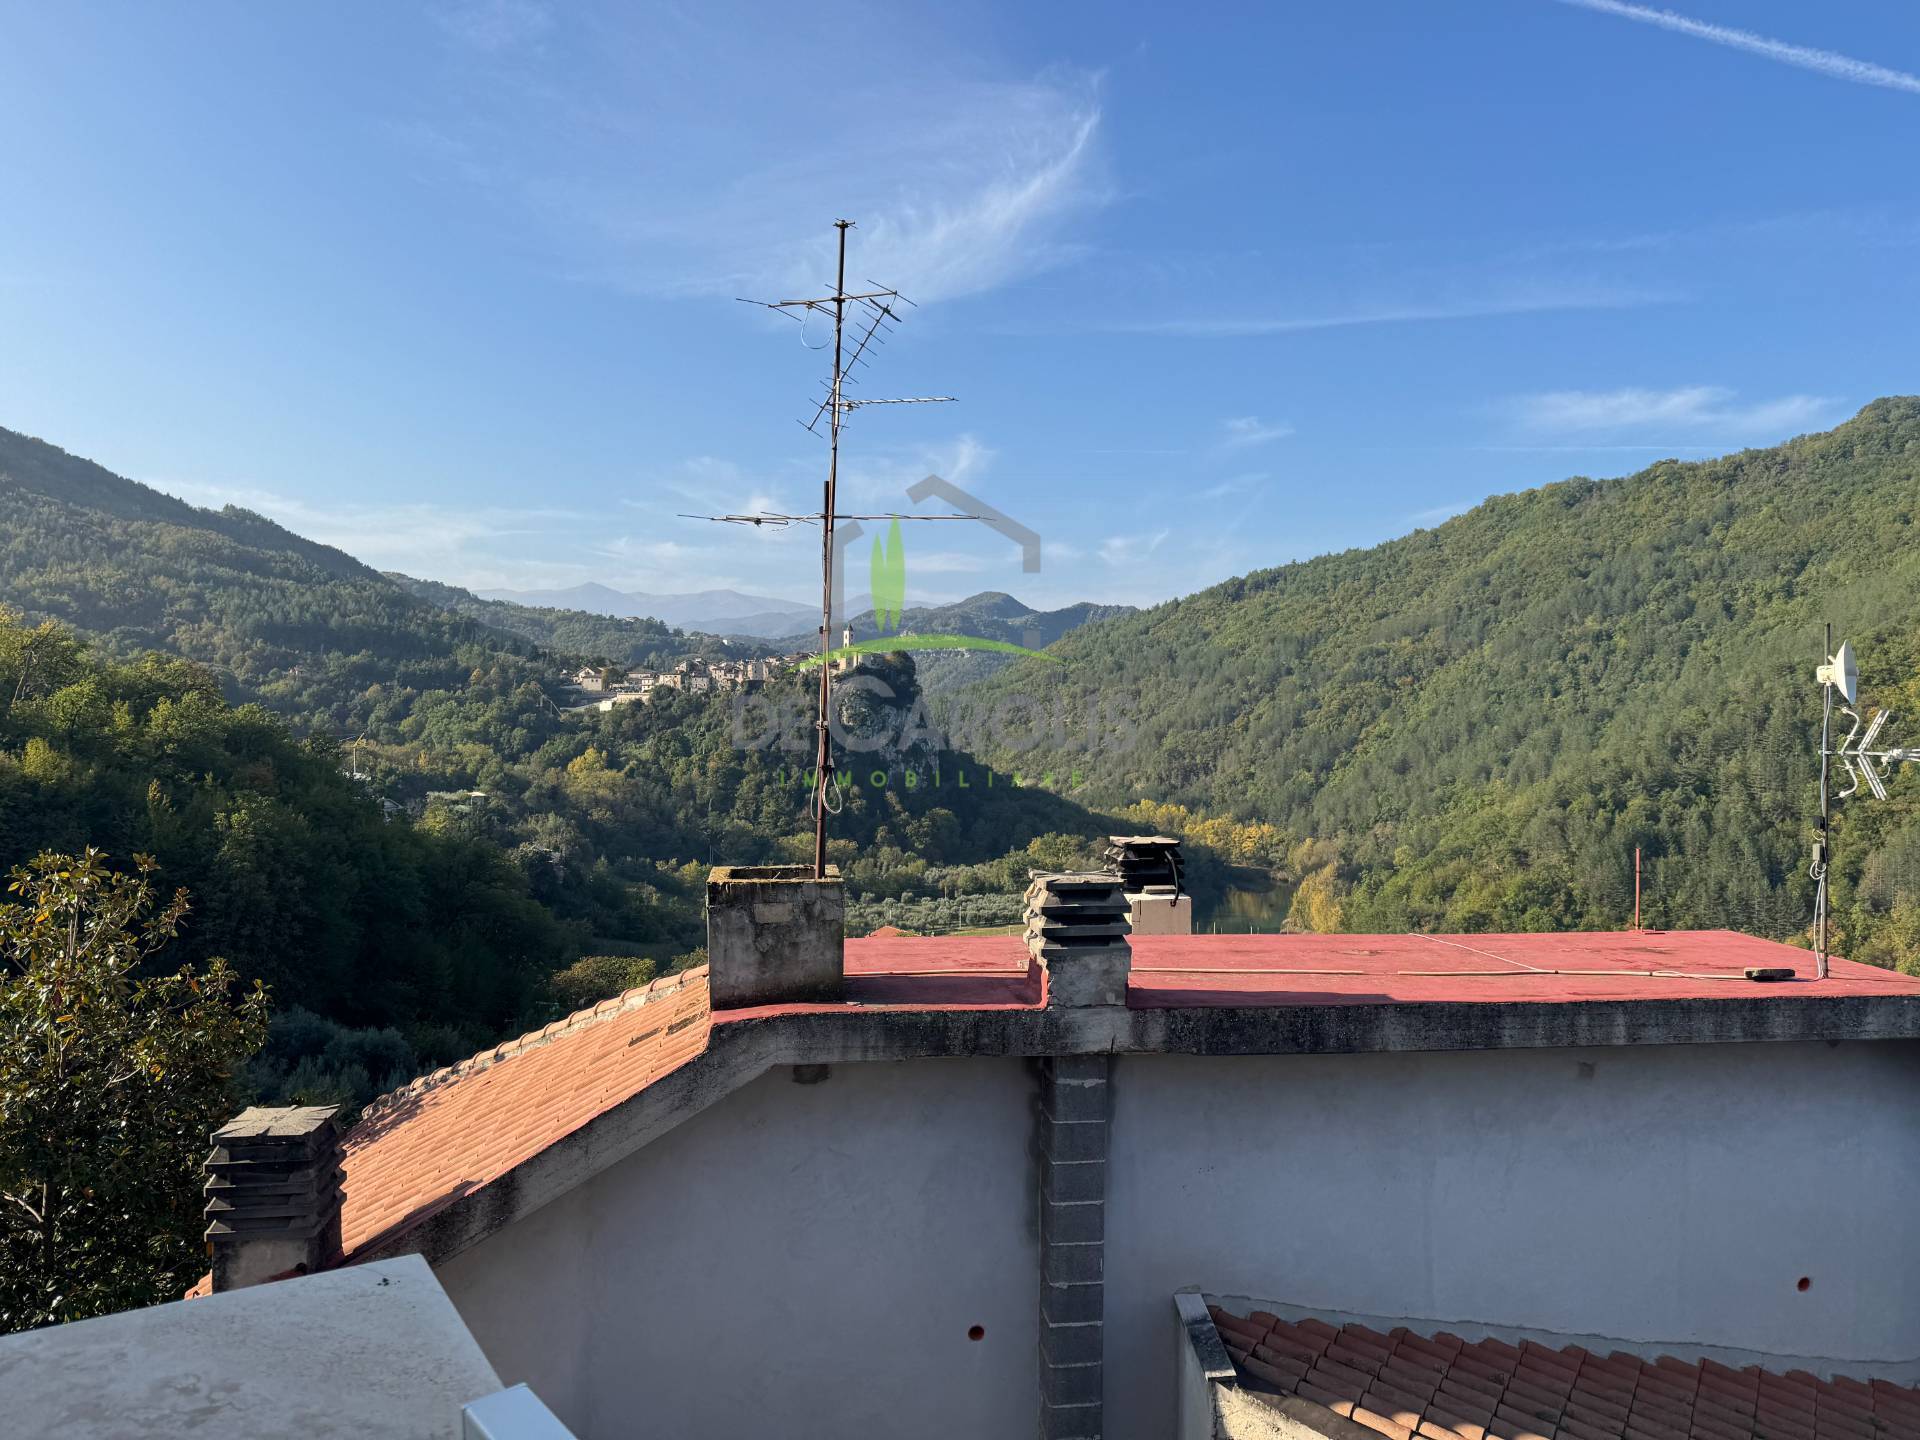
(269, 1122)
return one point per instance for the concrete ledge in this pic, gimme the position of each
(375, 1352)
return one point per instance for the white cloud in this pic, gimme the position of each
(946, 562)
(1233, 485)
(956, 186)
(654, 554)
(878, 479)
(514, 548)
(1689, 407)
(1519, 302)
(419, 538)
(1824, 62)
(1246, 431)
(1131, 549)
(999, 222)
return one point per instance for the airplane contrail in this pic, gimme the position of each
(1824, 62)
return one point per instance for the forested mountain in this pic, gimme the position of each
(1472, 727)
(301, 626)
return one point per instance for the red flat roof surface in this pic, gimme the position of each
(1172, 971)
(424, 1146)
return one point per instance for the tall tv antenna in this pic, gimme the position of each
(1865, 766)
(874, 314)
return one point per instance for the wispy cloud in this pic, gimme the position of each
(491, 26)
(1673, 449)
(1227, 327)
(1000, 222)
(1232, 485)
(1694, 407)
(420, 538)
(1824, 62)
(948, 562)
(519, 548)
(647, 182)
(1246, 431)
(1131, 549)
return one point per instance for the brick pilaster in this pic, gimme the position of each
(1072, 1129)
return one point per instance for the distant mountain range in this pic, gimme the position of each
(792, 625)
(717, 612)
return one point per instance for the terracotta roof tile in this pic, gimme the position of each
(1439, 1387)
(425, 1145)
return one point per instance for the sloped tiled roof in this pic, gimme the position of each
(1440, 1387)
(425, 1145)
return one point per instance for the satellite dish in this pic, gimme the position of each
(1841, 673)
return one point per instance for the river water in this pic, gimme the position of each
(1246, 910)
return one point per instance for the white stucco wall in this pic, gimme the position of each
(796, 1261)
(805, 1261)
(1671, 1194)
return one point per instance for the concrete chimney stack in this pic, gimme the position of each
(273, 1195)
(775, 935)
(1077, 935)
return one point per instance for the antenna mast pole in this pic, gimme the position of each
(1821, 850)
(880, 318)
(823, 762)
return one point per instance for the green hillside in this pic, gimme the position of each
(1473, 726)
(297, 625)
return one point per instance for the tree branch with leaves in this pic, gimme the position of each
(112, 1074)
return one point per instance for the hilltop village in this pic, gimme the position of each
(602, 687)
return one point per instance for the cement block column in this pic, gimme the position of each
(1072, 1131)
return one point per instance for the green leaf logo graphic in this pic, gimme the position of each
(889, 578)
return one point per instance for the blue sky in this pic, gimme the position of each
(451, 285)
